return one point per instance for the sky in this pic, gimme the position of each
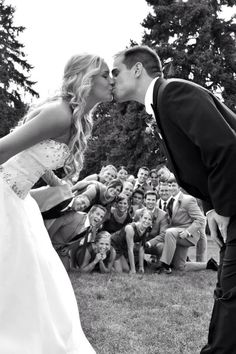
(57, 29)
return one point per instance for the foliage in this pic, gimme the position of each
(13, 81)
(121, 136)
(194, 43)
(198, 43)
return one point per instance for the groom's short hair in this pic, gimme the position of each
(145, 55)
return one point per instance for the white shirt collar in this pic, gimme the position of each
(176, 197)
(149, 96)
(87, 222)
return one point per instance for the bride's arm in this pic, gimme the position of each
(52, 180)
(51, 122)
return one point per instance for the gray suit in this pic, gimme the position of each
(186, 216)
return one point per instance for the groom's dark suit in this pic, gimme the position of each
(199, 140)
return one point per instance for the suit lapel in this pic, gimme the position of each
(157, 96)
(177, 206)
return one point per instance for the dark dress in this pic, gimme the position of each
(118, 240)
(112, 224)
(92, 253)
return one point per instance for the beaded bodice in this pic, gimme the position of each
(23, 170)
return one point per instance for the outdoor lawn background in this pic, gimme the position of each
(147, 313)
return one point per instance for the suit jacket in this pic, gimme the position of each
(65, 228)
(160, 222)
(199, 140)
(188, 215)
(51, 200)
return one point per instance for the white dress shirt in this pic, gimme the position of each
(148, 101)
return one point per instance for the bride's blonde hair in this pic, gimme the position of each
(76, 86)
(77, 83)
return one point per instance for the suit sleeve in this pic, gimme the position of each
(197, 116)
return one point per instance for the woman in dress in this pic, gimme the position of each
(126, 239)
(38, 309)
(99, 255)
(119, 215)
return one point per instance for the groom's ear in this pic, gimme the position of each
(138, 68)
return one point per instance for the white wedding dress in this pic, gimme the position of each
(38, 309)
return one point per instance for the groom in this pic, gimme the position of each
(197, 132)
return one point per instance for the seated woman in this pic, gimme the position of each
(122, 173)
(124, 241)
(105, 176)
(119, 215)
(99, 255)
(98, 193)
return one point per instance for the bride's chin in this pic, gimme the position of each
(110, 98)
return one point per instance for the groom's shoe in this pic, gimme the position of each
(212, 264)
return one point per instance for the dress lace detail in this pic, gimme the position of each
(23, 170)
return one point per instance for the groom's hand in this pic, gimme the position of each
(218, 221)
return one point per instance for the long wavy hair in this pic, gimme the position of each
(77, 83)
(76, 86)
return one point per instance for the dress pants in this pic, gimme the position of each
(175, 249)
(201, 247)
(222, 329)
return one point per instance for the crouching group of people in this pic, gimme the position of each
(122, 231)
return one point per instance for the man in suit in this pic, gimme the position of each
(74, 229)
(159, 225)
(201, 246)
(141, 180)
(186, 221)
(197, 133)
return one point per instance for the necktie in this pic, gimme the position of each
(164, 206)
(170, 206)
(84, 246)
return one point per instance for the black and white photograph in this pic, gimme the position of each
(118, 177)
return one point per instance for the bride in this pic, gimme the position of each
(38, 309)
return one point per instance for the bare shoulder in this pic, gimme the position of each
(58, 110)
(129, 229)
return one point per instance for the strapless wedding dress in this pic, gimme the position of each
(38, 309)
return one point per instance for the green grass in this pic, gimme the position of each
(146, 314)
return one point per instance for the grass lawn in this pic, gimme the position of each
(149, 313)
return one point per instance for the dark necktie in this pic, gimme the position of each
(80, 259)
(170, 206)
(164, 206)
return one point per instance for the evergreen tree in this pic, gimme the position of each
(122, 136)
(198, 43)
(13, 80)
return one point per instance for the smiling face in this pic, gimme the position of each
(146, 220)
(137, 198)
(108, 175)
(80, 203)
(142, 175)
(122, 174)
(123, 205)
(128, 188)
(103, 245)
(154, 178)
(96, 217)
(113, 192)
(164, 192)
(124, 81)
(102, 85)
(150, 201)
